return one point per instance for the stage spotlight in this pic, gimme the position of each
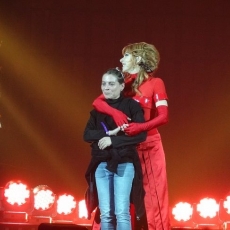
(206, 214)
(66, 209)
(17, 202)
(44, 207)
(181, 215)
(224, 212)
(227, 204)
(82, 211)
(82, 217)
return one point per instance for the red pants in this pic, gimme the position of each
(153, 165)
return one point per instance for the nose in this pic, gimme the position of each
(121, 60)
(106, 86)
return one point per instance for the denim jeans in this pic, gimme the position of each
(114, 196)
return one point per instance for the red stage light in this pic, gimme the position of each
(44, 208)
(208, 207)
(82, 211)
(82, 217)
(224, 212)
(227, 204)
(16, 193)
(43, 197)
(17, 202)
(206, 214)
(181, 215)
(66, 208)
(182, 211)
(66, 204)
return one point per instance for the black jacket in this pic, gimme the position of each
(123, 149)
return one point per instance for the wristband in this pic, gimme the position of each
(105, 128)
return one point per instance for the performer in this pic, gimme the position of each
(139, 64)
(115, 165)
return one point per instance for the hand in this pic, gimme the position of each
(134, 129)
(114, 132)
(104, 142)
(119, 117)
(123, 127)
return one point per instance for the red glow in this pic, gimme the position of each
(43, 197)
(208, 207)
(82, 209)
(16, 193)
(182, 211)
(66, 204)
(227, 204)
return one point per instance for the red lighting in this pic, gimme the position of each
(227, 204)
(82, 211)
(16, 193)
(82, 214)
(66, 204)
(182, 211)
(208, 207)
(43, 197)
(224, 212)
(19, 204)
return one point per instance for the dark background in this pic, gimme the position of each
(52, 57)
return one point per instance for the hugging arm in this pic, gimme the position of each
(161, 103)
(101, 106)
(160, 119)
(138, 118)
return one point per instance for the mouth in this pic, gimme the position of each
(107, 96)
(106, 93)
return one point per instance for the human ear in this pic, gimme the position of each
(122, 86)
(138, 59)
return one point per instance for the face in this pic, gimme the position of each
(110, 87)
(128, 63)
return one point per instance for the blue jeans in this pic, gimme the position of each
(114, 196)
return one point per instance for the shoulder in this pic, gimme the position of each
(151, 83)
(156, 83)
(93, 112)
(155, 80)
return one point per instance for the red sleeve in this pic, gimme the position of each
(159, 90)
(101, 105)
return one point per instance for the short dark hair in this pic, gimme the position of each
(116, 73)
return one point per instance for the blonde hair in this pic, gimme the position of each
(150, 59)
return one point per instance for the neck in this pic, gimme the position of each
(112, 101)
(135, 70)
